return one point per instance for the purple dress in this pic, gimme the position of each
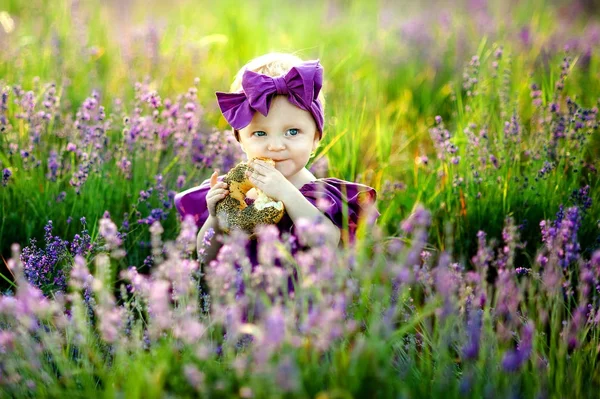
(329, 195)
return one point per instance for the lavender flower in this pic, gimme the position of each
(159, 307)
(484, 254)
(205, 244)
(419, 219)
(320, 167)
(470, 350)
(186, 240)
(582, 198)
(536, 95)
(441, 140)
(125, 166)
(41, 267)
(288, 375)
(471, 77)
(53, 166)
(514, 359)
(156, 214)
(560, 236)
(311, 233)
(108, 230)
(181, 181)
(194, 377)
(508, 296)
(61, 196)
(6, 174)
(268, 238)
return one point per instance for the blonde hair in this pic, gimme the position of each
(274, 65)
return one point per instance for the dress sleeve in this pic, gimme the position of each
(193, 202)
(332, 195)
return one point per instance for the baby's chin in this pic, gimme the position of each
(285, 167)
(282, 168)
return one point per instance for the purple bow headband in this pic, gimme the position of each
(301, 84)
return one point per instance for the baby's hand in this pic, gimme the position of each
(218, 191)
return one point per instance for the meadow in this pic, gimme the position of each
(476, 122)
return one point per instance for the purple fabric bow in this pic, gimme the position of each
(301, 84)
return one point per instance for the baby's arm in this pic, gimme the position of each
(218, 191)
(297, 206)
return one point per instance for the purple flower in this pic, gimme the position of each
(582, 198)
(420, 218)
(560, 236)
(156, 214)
(288, 375)
(320, 167)
(180, 181)
(154, 100)
(80, 275)
(514, 359)
(110, 321)
(547, 168)
(471, 76)
(268, 238)
(144, 195)
(125, 166)
(311, 233)
(6, 174)
(81, 244)
(108, 230)
(509, 295)
(441, 140)
(159, 307)
(577, 322)
(53, 165)
(205, 244)
(470, 350)
(484, 254)
(194, 377)
(522, 271)
(511, 361)
(274, 327)
(61, 196)
(41, 267)
(512, 130)
(525, 36)
(494, 161)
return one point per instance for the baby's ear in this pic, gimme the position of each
(316, 141)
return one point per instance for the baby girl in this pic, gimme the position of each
(276, 109)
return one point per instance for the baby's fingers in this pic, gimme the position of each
(218, 194)
(213, 178)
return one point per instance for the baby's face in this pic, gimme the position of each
(287, 135)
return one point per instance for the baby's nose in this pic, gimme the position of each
(276, 146)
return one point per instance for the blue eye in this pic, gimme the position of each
(259, 135)
(296, 132)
